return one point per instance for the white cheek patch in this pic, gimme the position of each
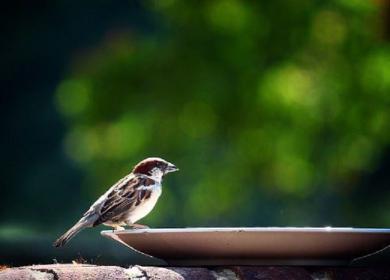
(156, 174)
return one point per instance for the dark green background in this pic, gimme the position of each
(277, 114)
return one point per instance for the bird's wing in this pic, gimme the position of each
(126, 194)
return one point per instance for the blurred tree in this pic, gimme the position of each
(272, 110)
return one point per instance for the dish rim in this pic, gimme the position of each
(250, 229)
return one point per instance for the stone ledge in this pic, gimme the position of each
(83, 271)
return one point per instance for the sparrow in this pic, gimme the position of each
(127, 201)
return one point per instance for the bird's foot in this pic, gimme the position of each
(138, 226)
(118, 228)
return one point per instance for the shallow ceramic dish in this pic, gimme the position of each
(254, 246)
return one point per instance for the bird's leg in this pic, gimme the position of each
(117, 227)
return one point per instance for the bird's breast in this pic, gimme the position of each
(146, 206)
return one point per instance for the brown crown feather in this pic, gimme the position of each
(147, 165)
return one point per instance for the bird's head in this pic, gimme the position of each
(154, 166)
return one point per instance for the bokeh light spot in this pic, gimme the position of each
(73, 97)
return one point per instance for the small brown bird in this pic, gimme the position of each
(126, 202)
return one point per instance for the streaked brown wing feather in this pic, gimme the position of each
(124, 196)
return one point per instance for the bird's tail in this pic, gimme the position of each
(80, 225)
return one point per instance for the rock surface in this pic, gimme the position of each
(83, 271)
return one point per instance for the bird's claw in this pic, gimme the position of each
(118, 228)
(138, 226)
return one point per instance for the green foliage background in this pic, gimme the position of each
(272, 110)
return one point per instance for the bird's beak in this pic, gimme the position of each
(171, 168)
